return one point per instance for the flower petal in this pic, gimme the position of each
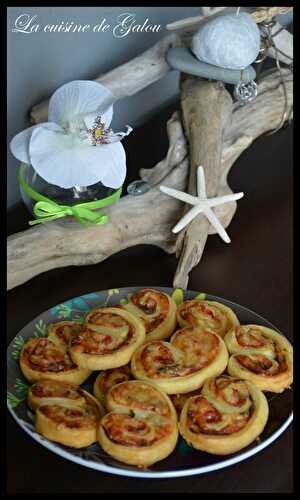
(19, 145)
(65, 161)
(118, 136)
(51, 155)
(114, 157)
(78, 98)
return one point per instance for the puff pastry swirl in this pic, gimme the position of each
(109, 337)
(107, 379)
(207, 315)
(65, 413)
(261, 355)
(227, 416)
(41, 358)
(156, 309)
(52, 392)
(141, 426)
(179, 400)
(184, 363)
(60, 333)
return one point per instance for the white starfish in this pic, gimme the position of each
(202, 204)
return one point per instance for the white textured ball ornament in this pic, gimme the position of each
(231, 41)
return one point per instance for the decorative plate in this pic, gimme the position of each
(184, 461)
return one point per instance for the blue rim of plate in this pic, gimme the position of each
(119, 468)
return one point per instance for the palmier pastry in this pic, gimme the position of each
(141, 426)
(184, 363)
(156, 309)
(228, 415)
(179, 400)
(61, 332)
(207, 315)
(107, 379)
(261, 355)
(52, 392)
(108, 339)
(41, 358)
(65, 414)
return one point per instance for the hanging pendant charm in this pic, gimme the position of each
(245, 92)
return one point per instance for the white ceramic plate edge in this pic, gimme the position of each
(155, 475)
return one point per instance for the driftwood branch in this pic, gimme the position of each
(195, 21)
(46, 247)
(207, 108)
(262, 14)
(55, 245)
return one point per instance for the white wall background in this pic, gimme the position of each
(40, 62)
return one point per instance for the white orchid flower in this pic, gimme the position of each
(75, 147)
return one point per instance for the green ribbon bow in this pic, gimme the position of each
(46, 209)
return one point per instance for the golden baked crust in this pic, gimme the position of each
(207, 315)
(141, 426)
(156, 309)
(261, 355)
(41, 358)
(179, 400)
(60, 333)
(227, 416)
(46, 392)
(183, 364)
(107, 379)
(108, 339)
(69, 424)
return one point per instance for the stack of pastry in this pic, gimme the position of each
(65, 413)
(49, 358)
(160, 370)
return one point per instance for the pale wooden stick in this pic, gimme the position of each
(194, 20)
(206, 11)
(262, 14)
(259, 15)
(207, 108)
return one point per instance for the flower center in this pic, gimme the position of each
(98, 134)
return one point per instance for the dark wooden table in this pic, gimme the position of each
(255, 270)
